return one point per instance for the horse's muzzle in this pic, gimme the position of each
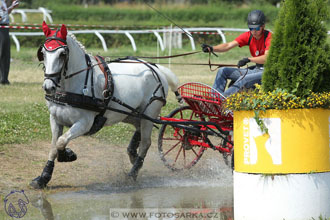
(50, 91)
(49, 86)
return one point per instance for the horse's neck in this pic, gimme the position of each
(76, 62)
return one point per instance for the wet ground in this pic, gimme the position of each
(207, 187)
(97, 205)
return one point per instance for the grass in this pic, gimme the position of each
(218, 15)
(22, 110)
(24, 126)
(25, 118)
(224, 15)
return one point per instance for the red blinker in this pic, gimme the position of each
(53, 44)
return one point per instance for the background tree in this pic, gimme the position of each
(299, 58)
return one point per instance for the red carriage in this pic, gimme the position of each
(191, 129)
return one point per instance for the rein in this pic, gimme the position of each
(192, 64)
(187, 54)
(179, 55)
(80, 71)
(166, 57)
(138, 62)
(121, 60)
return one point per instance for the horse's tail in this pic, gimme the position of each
(173, 82)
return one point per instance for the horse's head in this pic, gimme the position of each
(54, 53)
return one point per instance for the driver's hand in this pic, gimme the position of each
(207, 48)
(243, 62)
(15, 3)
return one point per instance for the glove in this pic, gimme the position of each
(15, 4)
(207, 48)
(243, 62)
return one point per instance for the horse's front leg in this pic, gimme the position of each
(66, 155)
(58, 146)
(42, 180)
(79, 128)
(57, 131)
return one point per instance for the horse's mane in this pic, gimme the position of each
(77, 41)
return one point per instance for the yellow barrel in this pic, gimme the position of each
(298, 141)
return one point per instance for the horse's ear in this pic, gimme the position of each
(46, 29)
(63, 31)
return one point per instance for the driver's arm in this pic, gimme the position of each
(225, 46)
(260, 59)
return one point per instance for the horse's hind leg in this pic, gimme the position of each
(146, 130)
(133, 146)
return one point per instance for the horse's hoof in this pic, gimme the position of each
(38, 183)
(138, 163)
(66, 155)
(132, 175)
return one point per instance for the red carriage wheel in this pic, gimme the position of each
(179, 148)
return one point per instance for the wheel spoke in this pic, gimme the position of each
(177, 156)
(191, 116)
(194, 151)
(181, 115)
(174, 146)
(184, 157)
(177, 131)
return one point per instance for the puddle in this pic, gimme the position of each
(96, 205)
(208, 186)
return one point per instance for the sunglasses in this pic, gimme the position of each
(257, 29)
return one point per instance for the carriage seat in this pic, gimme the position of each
(203, 99)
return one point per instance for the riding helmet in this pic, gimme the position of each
(256, 18)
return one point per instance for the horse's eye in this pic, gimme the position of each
(63, 54)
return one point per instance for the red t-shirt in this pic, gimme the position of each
(257, 47)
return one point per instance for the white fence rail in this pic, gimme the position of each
(128, 33)
(46, 14)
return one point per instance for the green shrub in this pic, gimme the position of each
(299, 58)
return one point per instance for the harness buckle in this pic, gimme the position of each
(106, 94)
(89, 62)
(107, 59)
(85, 91)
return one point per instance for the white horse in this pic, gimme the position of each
(82, 97)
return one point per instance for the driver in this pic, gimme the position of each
(258, 39)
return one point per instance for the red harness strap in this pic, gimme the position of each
(108, 86)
